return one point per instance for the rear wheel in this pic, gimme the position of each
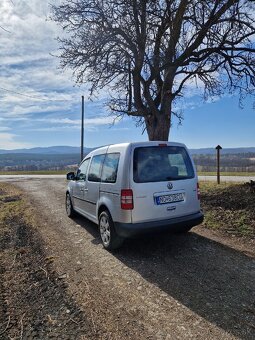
(111, 240)
(69, 206)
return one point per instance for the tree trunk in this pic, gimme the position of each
(158, 127)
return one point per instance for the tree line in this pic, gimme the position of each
(236, 162)
(29, 162)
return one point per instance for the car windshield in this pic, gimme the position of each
(157, 164)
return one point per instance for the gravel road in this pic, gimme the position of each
(158, 287)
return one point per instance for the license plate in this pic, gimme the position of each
(169, 198)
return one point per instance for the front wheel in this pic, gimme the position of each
(69, 206)
(111, 240)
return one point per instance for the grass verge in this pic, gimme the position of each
(39, 172)
(34, 301)
(239, 173)
(229, 208)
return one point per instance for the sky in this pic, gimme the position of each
(40, 105)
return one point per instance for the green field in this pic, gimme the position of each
(61, 172)
(39, 172)
(227, 173)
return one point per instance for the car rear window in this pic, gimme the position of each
(157, 164)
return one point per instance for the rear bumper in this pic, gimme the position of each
(173, 224)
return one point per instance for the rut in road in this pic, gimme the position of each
(157, 287)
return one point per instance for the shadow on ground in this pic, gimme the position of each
(212, 280)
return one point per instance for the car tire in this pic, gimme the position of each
(110, 239)
(69, 206)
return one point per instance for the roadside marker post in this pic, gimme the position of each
(218, 148)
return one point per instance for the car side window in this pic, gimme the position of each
(82, 171)
(110, 167)
(94, 174)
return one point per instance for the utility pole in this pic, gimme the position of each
(82, 126)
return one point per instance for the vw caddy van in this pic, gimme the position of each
(132, 188)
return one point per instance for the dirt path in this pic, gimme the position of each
(163, 287)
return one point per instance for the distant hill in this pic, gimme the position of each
(64, 150)
(224, 151)
(66, 157)
(51, 150)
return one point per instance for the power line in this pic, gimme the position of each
(28, 96)
(4, 29)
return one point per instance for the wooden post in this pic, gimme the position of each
(82, 126)
(218, 148)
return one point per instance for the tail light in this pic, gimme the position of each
(198, 192)
(127, 202)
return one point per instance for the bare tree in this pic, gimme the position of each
(149, 52)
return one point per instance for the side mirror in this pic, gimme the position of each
(70, 176)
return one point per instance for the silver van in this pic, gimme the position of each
(132, 188)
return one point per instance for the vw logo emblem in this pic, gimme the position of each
(170, 185)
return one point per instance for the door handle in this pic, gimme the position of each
(86, 190)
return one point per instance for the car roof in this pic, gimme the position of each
(124, 146)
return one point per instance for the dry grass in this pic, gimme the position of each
(229, 208)
(13, 205)
(33, 300)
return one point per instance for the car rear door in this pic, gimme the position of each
(164, 183)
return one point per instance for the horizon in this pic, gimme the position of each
(95, 147)
(41, 107)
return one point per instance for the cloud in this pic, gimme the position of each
(29, 76)
(87, 121)
(4, 128)
(61, 124)
(9, 141)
